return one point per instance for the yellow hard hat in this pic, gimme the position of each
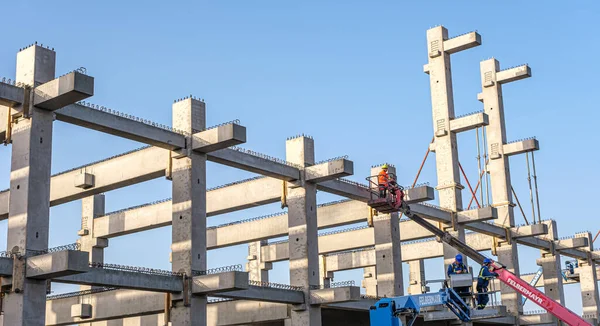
(384, 166)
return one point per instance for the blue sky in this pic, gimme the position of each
(349, 73)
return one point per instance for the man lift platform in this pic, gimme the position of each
(394, 202)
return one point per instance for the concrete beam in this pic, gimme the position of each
(335, 295)
(6, 266)
(222, 282)
(360, 305)
(63, 91)
(125, 279)
(56, 264)
(462, 42)
(266, 294)
(469, 122)
(255, 164)
(11, 95)
(477, 215)
(329, 170)
(513, 74)
(521, 147)
(529, 231)
(572, 243)
(489, 312)
(218, 138)
(116, 125)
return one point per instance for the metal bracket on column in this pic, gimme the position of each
(495, 246)
(453, 217)
(494, 151)
(441, 128)
(169, 169)
(8, 136)
(186, 290)
(284, 192)
(372, 212)
(508, 235)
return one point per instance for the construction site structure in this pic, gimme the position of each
(193, 294)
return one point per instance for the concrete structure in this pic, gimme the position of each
(191, 294)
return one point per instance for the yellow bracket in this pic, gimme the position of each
(495, 246)
(507, 235)
(370, 217)
(284, 192)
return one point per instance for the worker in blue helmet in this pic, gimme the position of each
(483, 280)
(458, 267)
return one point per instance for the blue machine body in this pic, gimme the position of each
(403, 311)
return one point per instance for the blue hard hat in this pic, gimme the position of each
(487, 261)
(459, 258)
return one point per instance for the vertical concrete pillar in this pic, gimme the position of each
(325, 275)
(369, 281)
(388, 257)
(189, 212)
(499, 170)
(588, 280)
(29, 209)
(445, 145)
(302, 223)
(91, 208)
(257, 270)
(416, 275)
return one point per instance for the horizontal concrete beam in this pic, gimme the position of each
(463, 42)
(57, 264)
(489, 312)
(266, 294)
(11, 95)
(537, 319)
(125, 280)
(329, 170)
(335, 295)
(6, 266)
(63, 91)
(521, 147)
(529, 231)
(361, 305)
(116, 125)
(222, 282)
(513, 74)
(469, 122)
(218, 138)
(572, 243)
(255, 164)
(477, 215)
(346, 189)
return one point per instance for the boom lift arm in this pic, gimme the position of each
(394, 203)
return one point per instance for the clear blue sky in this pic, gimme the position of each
(349, 73)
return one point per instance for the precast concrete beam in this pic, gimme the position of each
(6, 266)
(349, 189)
(469, 122)
(462, 42)
(571, 243)
(222, 282)
(537, 319)
(477, 215)
(266, 294)
(125, 280)
(218, 138)
(513, 74)
(56, 264)
(486, 313)
(251, 163)
(360, 305)
(521, 147)
(335, 295)
(125, 127)
(63, 91)
(532, 230)
(329, 170)
(11, 95)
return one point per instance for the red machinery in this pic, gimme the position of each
(394, 202)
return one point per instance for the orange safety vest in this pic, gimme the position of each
(383, 178)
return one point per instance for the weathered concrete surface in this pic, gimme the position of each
(477, 215)
(63, 91)
(91, 208)
(10, 96)
(255, 164)
(215, 283)
(267, 294)
(56, 264)
(335, 295)
(521, 147)
(416, 275)
(6, 266)
(124, 279)
(218, 138)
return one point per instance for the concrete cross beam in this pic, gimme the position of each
(11, 95)
(477, 215)
(462, 42)
(537, 319)
(513, 74)
(218, 138)
(221, 282)
(56, 264)
(63, 91)
(360, 305)
(469, 122)
(329, 170)
(489, 312)
(255, 164)
(520, 147)
(6, 266)
(529, 231)
(125, 279)
(572, 243)
(116, 125)
(266, 294)
(335, 295)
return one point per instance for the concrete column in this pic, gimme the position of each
(257, 270)
(499, 170)
(387, 249)
(588, 280)
(324, 274)
(91, 208)
(416, 275)
(370, 281)
(189, 212)
(302, 223)
(445, 145)
(29, 203)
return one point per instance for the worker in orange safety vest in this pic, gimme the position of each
(382, 179)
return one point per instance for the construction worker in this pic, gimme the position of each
(458, 267)
(382, 179)
(483, 280)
